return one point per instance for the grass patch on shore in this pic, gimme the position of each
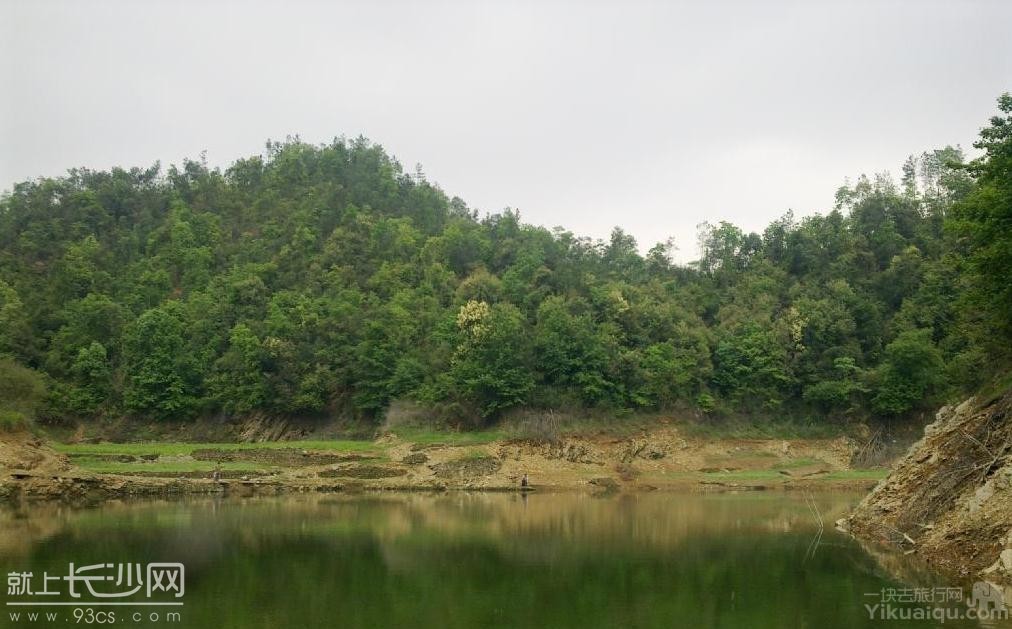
(744, 475)
(766, 475)
(426, 436)
(185, 449)
(474, 455)
(870, 474)
(739, 429)
(796, 463)
(101, 466)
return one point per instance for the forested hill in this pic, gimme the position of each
(324, 279)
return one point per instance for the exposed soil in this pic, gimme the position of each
(21, 451)
(661, 458)
(252, 428)
(363, 471)
(222, 474)
(290, 457)
(114, 458)
(467, 469)
(949, 500)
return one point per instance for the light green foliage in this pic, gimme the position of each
(675, 370)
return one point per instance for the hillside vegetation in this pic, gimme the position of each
(326, 280)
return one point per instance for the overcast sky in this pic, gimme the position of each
(650, 115)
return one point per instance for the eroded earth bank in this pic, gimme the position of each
(949, 500)
(658, 459)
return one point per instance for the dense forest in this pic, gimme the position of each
(326, 280)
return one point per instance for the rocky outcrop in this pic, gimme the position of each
(949, 500)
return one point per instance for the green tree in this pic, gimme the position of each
(326, 279)
(840, 390)
(92, 375)
(163, 380)
(94, 319)
(15, 331)
(569, 350)
(912, 370)
(490, 368)
(750, 367)
(983, 222)
(237, 381)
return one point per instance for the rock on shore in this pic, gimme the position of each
(949, 500)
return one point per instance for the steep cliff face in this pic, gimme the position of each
(949, 500)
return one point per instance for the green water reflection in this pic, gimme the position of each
(475, 560)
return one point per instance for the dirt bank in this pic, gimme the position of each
(28, 464)
(949, 500)
(658, 459)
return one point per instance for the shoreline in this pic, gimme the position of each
(948, 499)
(661, 459)
(98, 488)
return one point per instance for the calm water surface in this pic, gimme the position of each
(475, 560)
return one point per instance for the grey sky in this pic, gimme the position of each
(650, 115)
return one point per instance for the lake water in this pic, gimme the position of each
(468, 560)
